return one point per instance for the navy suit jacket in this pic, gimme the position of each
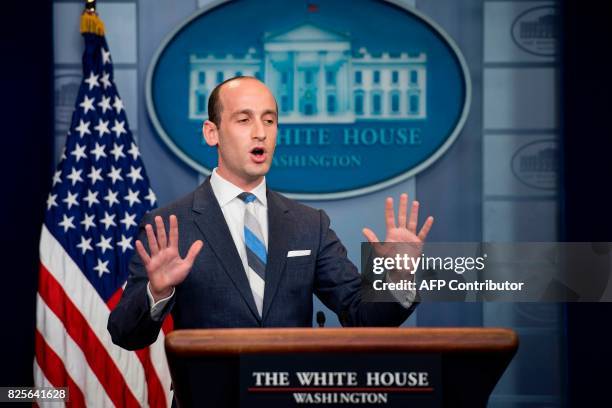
(216, 293)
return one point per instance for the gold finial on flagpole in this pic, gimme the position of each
(90, 6)
(90, 22)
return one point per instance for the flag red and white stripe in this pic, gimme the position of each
(74, 349)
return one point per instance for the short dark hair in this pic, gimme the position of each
(214, 102)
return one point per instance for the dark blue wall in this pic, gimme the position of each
(586, 204)
(26, 109)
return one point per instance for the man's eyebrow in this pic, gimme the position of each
(270, 111)
(243, 111)
(251, 113)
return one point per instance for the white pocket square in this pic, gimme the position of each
(302, 252)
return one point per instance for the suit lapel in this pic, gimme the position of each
(280, 231)
(211, 222)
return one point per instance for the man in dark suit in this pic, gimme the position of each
(264, 255)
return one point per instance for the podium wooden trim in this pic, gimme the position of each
(337, 340)
(473, 359)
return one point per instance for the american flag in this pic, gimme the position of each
(99, 193)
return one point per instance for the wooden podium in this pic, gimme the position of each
(206, 364)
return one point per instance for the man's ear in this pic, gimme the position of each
(211, 133)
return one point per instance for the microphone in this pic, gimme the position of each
(320, 318)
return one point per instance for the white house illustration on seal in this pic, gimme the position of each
(317, 77)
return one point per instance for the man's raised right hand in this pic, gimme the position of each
(165, 267)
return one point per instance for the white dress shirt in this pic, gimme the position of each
(233, 209)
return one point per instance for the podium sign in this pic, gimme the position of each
(390, 380)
